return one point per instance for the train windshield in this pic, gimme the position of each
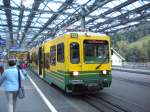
(96, 51)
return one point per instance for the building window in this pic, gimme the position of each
(60, 52)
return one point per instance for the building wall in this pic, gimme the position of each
(116, 60)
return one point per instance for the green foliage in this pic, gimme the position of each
(136, 55)
(117, 38)
(122, 47)
(132, 44)
(138, 51)
(148, 49)
(131, 34)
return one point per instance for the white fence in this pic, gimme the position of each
(136, 65)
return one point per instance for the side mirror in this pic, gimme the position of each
(112, 52)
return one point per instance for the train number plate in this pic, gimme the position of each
(92, 84)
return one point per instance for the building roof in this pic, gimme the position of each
(115, 52)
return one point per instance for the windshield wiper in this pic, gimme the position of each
(101, 63)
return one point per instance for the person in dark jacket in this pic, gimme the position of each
(1, 68)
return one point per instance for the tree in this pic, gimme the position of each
(136, 54)
(122, 47)
(148, 50)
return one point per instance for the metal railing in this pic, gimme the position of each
(136, 65)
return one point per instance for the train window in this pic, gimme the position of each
(60, 52)
(47, 60)
(74, 53)
(96, 51)
(36, 59)
(31, 59)
(53, 55)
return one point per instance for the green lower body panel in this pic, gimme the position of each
(85, 82)
(55, 78)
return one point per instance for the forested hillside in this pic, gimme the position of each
(133, 44)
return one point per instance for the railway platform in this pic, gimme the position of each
(42, 97)
(33, 102)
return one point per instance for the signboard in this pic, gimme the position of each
(2, 41)
(17, 49)
(1, 53)
(4, 53)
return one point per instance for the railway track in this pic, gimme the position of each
(135, 105)
(106, 102)
(103, 105)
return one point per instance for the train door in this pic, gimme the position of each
(40, 61)
(44, 60)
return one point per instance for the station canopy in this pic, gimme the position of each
(29, 22)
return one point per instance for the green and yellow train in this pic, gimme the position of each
(74, 61)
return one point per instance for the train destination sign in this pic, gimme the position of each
(95, 41)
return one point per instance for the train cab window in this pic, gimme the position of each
(74, 53)
(96, 51)
(60, 52)
(53, 55)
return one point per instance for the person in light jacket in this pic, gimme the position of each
(9, 79)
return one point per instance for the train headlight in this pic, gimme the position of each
(75, 73)
(104, 72)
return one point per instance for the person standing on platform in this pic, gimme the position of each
(23, 67)
(9, 78)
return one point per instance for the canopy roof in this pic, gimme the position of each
(29, 22)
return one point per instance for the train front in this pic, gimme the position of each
(90, 63)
